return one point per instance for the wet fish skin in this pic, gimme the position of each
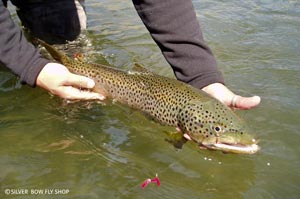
(207, 121)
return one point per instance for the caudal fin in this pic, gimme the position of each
(57, 55)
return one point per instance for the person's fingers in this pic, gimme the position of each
(57, 79)
(226, 96)
(244, 103)
(79, 81)
(72, 93)
(73, 85)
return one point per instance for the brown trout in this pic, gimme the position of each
(208, 122)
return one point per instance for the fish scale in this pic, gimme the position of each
(201, 117)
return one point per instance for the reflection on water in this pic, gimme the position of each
(107, 151)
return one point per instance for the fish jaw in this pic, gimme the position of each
(230, 145)
(228, 148)
(227, 144)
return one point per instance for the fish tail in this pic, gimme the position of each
(57, 55)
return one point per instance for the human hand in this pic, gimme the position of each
(223, 94)
(57, 79)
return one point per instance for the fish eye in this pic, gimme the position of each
(217, 129)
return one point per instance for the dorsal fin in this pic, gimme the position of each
(140, 68)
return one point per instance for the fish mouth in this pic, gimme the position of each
(232, 148)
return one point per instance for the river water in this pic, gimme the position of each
(90, 150)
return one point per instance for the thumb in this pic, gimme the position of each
(79, 81)
(245, 102)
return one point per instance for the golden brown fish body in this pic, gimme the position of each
(206, 120)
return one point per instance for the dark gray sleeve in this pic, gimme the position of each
(21, 57)
(174, 27)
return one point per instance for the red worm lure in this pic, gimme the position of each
(153, 180)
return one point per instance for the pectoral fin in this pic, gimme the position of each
(177, 139)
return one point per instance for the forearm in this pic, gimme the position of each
(174, 27)
(21, 57)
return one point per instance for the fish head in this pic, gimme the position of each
(214, 126)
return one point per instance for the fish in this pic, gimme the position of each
(198, 116)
